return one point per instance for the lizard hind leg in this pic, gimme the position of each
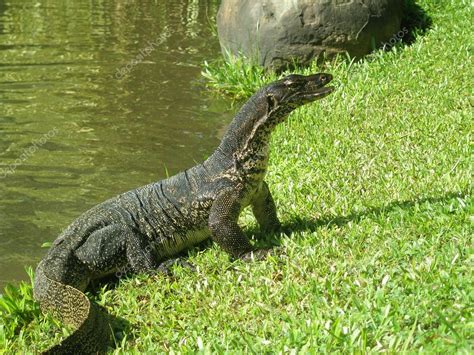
(141, 255)
(116, 249)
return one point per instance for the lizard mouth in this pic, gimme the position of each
(316, 87)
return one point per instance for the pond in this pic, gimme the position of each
(96, 98)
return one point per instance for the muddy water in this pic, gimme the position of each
(96, 98)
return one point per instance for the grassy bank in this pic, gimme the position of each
(375, 184)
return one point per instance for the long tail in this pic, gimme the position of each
(92, 331)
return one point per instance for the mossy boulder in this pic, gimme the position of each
(276, 32)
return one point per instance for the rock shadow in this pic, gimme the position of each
(415, 20)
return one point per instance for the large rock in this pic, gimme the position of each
(276, 31)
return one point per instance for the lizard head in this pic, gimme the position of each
(249, 131)
(295, 90)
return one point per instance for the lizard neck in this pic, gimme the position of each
(246, 141)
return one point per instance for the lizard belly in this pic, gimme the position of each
(180, 242)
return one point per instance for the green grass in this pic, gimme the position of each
(374, 182)
(237, 77)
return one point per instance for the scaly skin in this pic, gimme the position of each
(141, 229)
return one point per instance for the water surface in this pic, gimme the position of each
(96, 98)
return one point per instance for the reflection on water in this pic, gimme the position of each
(96, 98)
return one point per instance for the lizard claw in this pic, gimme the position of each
(166, 266)
(258, 254)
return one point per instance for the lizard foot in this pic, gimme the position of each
(166, 266)
(258, 254)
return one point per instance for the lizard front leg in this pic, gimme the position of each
(223, 225)
(264, 209)
(225, 230)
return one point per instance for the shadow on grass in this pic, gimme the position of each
(299, 224)
(120, 327)
(415, 20)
